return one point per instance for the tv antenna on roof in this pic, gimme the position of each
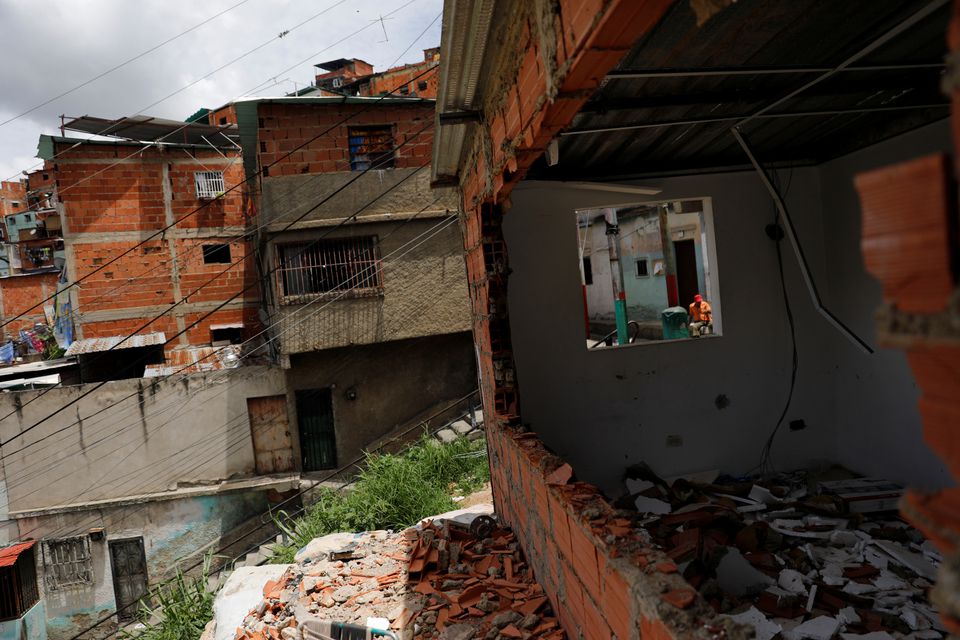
(383, 26)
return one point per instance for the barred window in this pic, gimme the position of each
(371, 147)
(341, 265)
(67, 562)
(209, 184)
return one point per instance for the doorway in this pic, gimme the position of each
(685, 252)
(318, 443)
(272, 449)
(128, 564)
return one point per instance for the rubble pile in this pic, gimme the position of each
(441, 580)
(794, 557)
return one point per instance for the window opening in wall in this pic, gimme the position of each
(67, 562)
(209, 184)
(371, 147)
(345, 266)
(222, 335)
(674, 293)
(422, 85)
(404, 90)
(18, 585)
(216, 254)
(642, 267)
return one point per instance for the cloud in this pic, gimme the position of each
(50, 46)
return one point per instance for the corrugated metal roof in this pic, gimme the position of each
(150, 129)
(9, 555)
(95, 345)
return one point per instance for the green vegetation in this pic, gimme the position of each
(178, 609)
(392, 492)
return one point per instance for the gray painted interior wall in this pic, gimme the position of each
(394, 382)
(625, 402)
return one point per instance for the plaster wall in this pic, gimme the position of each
(627, 401)
(159, 432)
(32, 625)
(878, 424)
(171, 530)
(424, 290)
(394, 382)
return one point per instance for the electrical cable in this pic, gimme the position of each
(123, 64)
(163, 230)
(766, 462)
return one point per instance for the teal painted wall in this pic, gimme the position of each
(31, 626)
(646, 295)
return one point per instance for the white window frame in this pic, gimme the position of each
(209, 184)
(67, 562)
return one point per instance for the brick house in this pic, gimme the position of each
(364, 286)
(112, 194)
(754, 112)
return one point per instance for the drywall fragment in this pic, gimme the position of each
(820, 628)
(910, 559)
(635, 486)
(857, 589)
(652, 505)
(792, 581)
(811, 598)
(888, 581)
(916, 621)
(762, 494)
(844, 538)
(876, 558)
(738, 577)
(763, 628)
(848, 615)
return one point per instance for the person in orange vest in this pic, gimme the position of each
(701, 316)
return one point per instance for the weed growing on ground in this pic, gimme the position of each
(178, 609)
(393, 491)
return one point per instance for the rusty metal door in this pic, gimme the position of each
(128, 563)
(270, 429)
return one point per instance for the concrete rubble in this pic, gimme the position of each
(791, 556)
(459, 578)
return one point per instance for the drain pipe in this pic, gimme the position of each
(616, 275)
(791, 234)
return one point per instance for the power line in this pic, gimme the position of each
(164, 229)
(123, 64)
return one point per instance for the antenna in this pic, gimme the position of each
(383, 26)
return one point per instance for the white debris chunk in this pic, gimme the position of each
(762, 494)
(792, 581)
(857, 589)
(763, 628)
(910, 559)
(812, 597)
(848, 615)
(738, 577)
(635, 486)
(821, 628)
(652, 505)
(915, 620)
(888, 581)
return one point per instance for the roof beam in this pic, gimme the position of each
(633, 74)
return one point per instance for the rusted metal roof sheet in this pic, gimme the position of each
(95, 345)
(9, 555)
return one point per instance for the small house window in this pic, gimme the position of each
(422, 85)
(404, 90)
(371, 147)
(343, 265)
(18, 585)
(67, 562)
(209, 184)
(337, 83)
(587, 271)
(643, 267)
(216, 254)
(221, 335)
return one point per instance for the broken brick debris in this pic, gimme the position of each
(440, 580)
(792, 557)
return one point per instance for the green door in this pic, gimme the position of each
(318, 443)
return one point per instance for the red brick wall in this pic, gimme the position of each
(11, 192)
(284, 127)
(19, 293)
(409, 76)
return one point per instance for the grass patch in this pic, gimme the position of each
(393, 491)
(181, 607)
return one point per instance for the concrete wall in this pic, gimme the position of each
(879, 428)
(171, 530)
(394, 381)
(424, 290)
(31, 626)
(184, 429)
(628, 400)
(859, 410)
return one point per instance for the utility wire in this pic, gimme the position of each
(123, 64)
(163, 230)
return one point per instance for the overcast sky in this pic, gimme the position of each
(51, 46)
